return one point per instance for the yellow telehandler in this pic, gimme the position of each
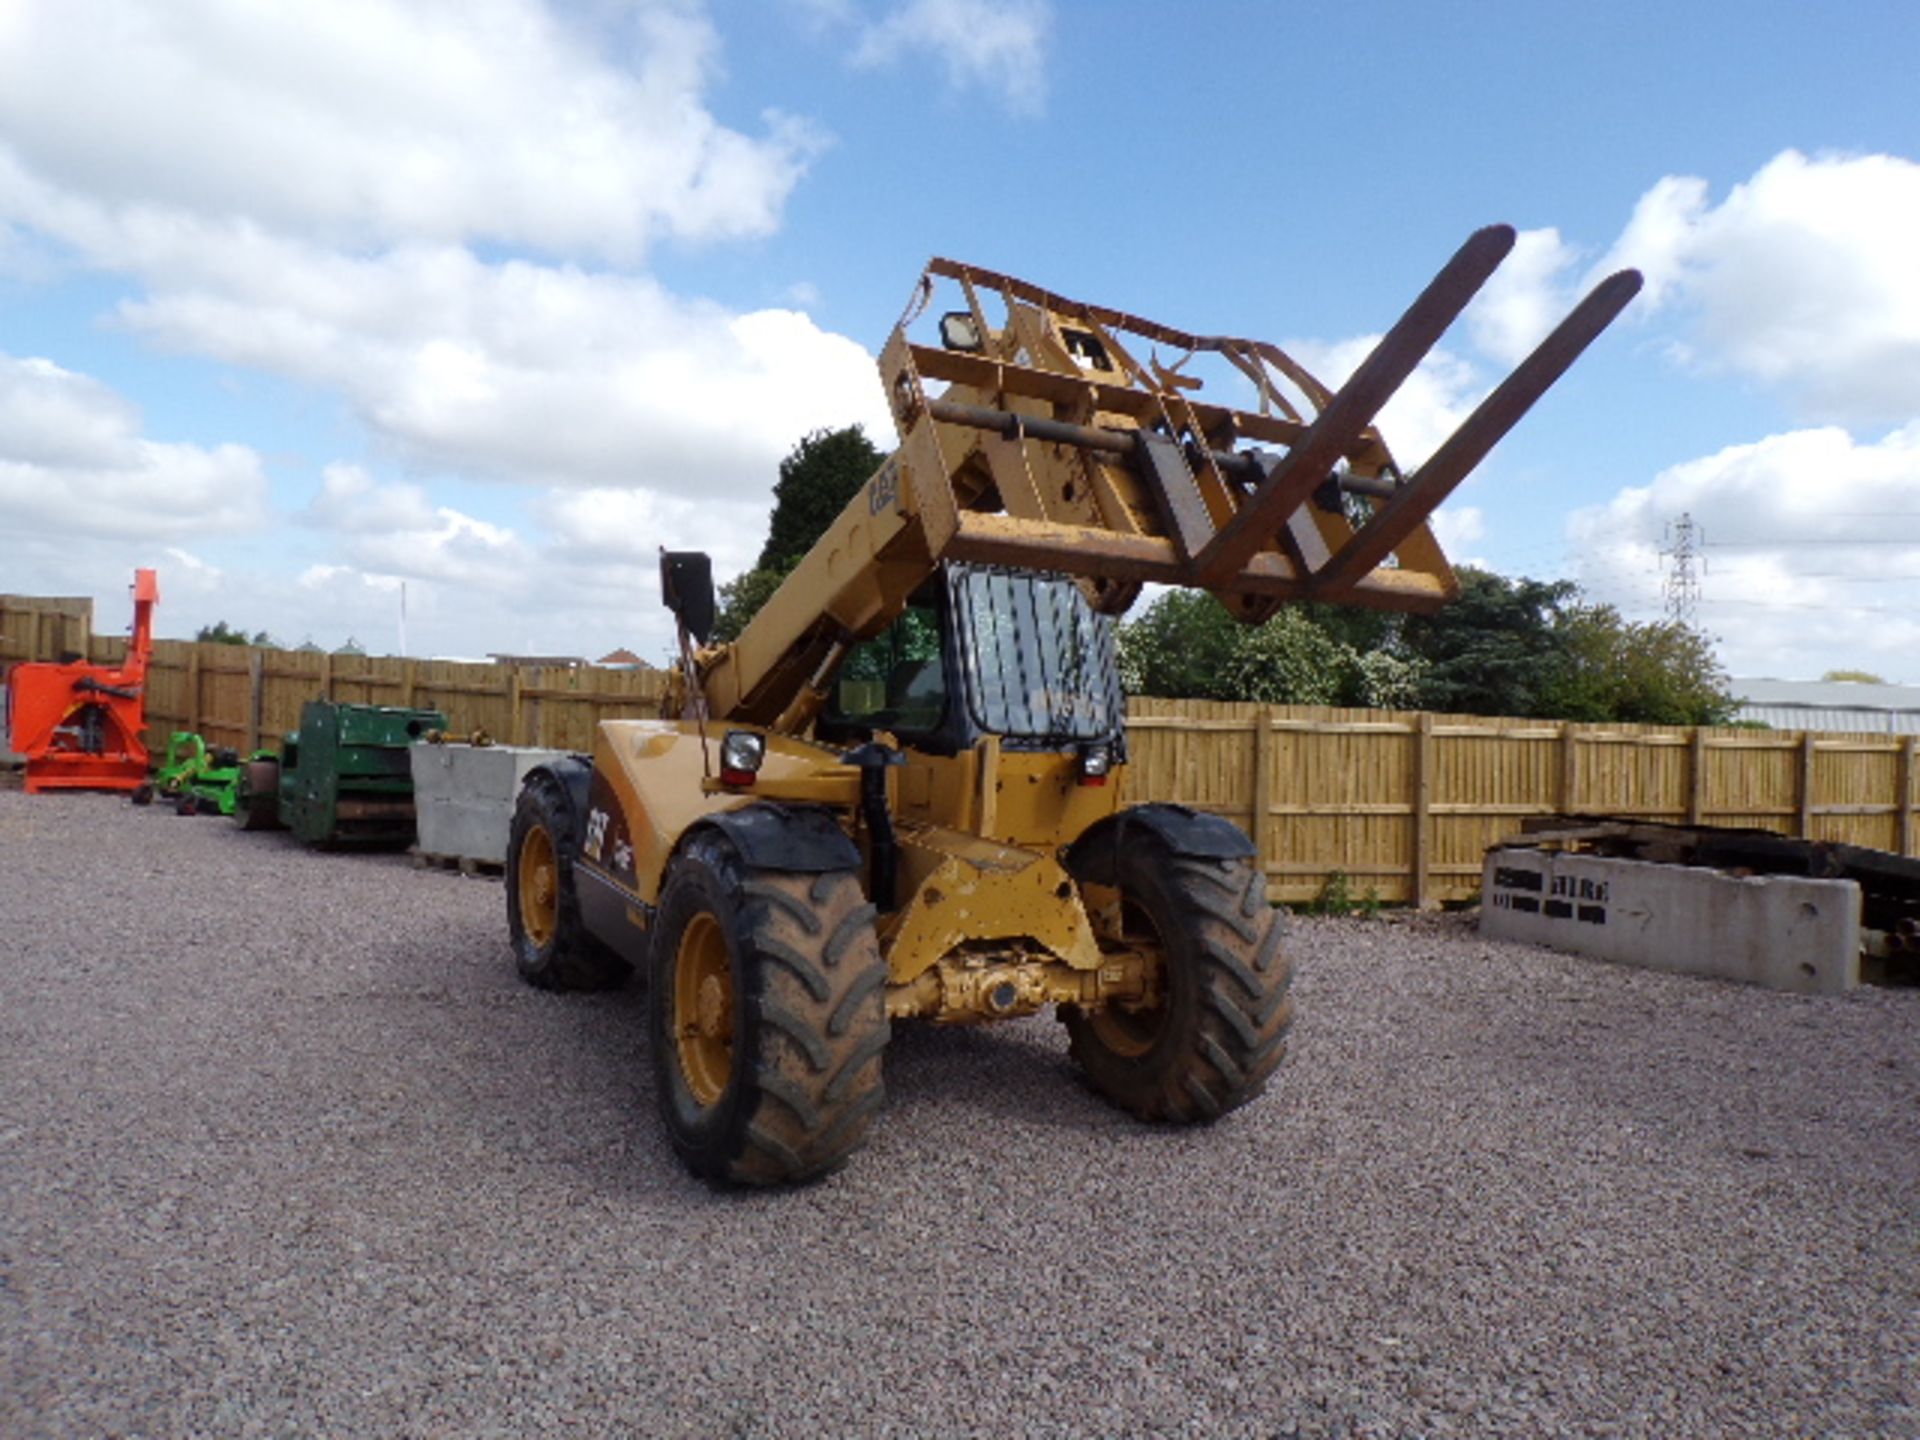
(898, 794)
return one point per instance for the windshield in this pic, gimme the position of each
(1039, 661)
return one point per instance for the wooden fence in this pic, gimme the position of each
(42, 627)
(1402, 804)
(1406, 804)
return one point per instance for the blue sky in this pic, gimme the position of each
(494, 298)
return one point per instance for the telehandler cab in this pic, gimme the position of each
(899, 793)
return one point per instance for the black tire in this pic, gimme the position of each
(257, 803)
(1220, 1028)
(142, 795)
(551, 947)
(783, 1085)
(187, 804)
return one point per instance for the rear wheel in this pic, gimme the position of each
(1220, 1025)
(551, 947)
(768, 1013)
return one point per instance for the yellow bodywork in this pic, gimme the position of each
(1053, 436)
(990, 923)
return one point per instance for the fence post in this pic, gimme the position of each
(518, 736)
(1262, 792)
(1697, 777)
(1421, 808)
(256, 696)
(408, 670)
(1903, 787)
(1805, 788)
(326, 675)
(1569, 766)
(193, 690)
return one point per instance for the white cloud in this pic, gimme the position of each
(1527, 296)
(436, 212)
(317, 212)
(519, 371)
(1658, 235)
(543, 375)
(73, 461)
(994, 45)
(352, 501)
(631, 527)
(1803, 277)
(1458, 526)
(392, 530)
(1811, 550)
(369, 122)
(1424, 411)
(198, 571)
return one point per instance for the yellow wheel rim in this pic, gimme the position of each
(539, 881)
(703, 1009)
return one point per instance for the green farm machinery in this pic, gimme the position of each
(343, 778)
(196, 778)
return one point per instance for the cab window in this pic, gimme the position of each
(897, 680)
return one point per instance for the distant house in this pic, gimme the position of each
(1843, 705)
(623, 659)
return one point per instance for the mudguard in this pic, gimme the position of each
(1181, 830)
(575, 774)
(804, 839)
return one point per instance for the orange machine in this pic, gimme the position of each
(79, 724)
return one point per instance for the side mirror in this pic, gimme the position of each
(686, 585)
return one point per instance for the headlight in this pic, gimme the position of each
(741, 754)
(1095, 761)
(959, 332)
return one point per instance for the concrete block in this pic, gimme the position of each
(463, 796)
(1780, 931)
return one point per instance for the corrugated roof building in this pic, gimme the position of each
(1843, 705)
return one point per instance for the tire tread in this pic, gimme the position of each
(1232, 1028)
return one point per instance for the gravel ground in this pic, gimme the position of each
(286, 1150)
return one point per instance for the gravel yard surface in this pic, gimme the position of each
(286, 1150)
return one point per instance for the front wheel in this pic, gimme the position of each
(551, 947)
(1219, 1027)
(767, 1006)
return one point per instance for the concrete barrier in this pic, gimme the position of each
(1784, 932)
(463, 797)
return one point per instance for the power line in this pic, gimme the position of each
(1789, 542)
(1840, 608)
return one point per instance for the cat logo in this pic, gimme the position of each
(884, 493)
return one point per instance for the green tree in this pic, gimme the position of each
(1655, 672)
(817, 479)
(1386, 680)
(1505, 647)
(1185, 644)
(1496, 650)
(1856, 677)
(221, 633)
(1289, 660)
(1181, 646)
(1672, 678)
(741, 598)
